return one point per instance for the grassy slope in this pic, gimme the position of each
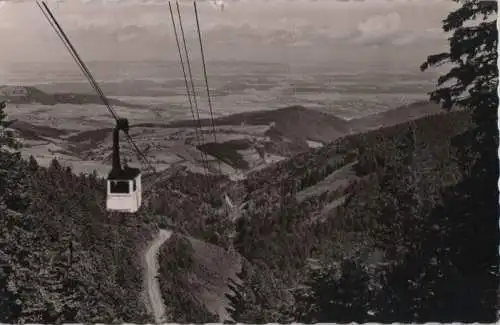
(196, 274)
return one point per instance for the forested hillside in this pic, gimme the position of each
(63, 257)
(417, 237)
(370, 216)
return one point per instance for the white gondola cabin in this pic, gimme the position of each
(124, 187)
(124, 191)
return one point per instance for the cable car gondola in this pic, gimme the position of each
(124, 185)
(124, 188)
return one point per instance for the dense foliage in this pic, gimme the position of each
(427, 200)
(441, 241)
(63, 258)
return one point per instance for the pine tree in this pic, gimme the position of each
(331, 298)
(10, 307)
(12, 185)
(400, 208)
(254, 300)
(32, 164)
(7, 138)
(454, 273)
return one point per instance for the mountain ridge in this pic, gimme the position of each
(33, 95)
(245, 141)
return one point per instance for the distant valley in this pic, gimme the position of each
(246, 141)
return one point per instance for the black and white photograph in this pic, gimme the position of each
(249, 161)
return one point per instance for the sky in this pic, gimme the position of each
(256, 30)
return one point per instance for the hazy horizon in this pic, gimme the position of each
(298, 31)
(238, 87)
(343, 57)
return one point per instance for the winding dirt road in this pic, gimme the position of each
(151, 282)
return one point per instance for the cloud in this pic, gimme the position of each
(134, 27)
(378, 29)
(380, 25)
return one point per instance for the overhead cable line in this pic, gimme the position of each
(193, 88)
(174, 27)
(206, 77)
(191, 107)
(64, 38)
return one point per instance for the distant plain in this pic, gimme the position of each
(158, 89)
